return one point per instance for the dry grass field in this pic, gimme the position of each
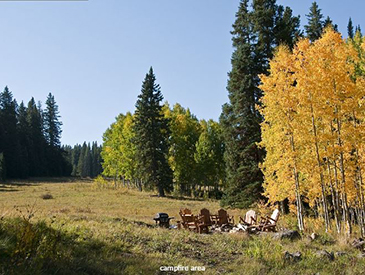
(80, 227)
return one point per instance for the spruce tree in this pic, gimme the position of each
(315, 24)
(151, 137)
(52, 124)
(23, 131)
(358, 30)
(10, 143)
(328, 23)
(87, 165)
(255, 35)
(2, 167)
(80, 164)
(350, 29)
(37, 142)
(75, 156)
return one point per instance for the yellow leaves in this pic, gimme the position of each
(314, 112)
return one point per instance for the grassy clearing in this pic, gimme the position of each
(82, 229)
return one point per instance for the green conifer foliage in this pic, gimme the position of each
(52, 124)
(37, 142)
(316, 24)
(350, 29)
(256, 32)
(151, 137)
(23, 129)
(10, 142)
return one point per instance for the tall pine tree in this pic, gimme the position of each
(23, 129)
(10, 142)
(350, 29)
(151, 137)
(52, 124)
(37, 142)
(315, 24)
(255, 33)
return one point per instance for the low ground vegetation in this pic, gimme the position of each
(88, 229)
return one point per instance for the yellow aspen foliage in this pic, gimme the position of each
(314, 127)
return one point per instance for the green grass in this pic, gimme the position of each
(85, 229)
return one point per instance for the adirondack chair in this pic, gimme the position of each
(250, 218)
(269, 223)
(203, 221)
(205, 214)
(189, 221)
(224, 218)
(248, 223)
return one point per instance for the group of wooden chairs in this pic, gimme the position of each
(200, 223)
(252, 224)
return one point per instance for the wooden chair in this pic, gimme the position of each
(189, 221)
(203, 221)
(250, 218)
(249, 223)
(200, 224)
(224, 218)
(269, 223)
(206, 216)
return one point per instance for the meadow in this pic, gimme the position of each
(64, 226)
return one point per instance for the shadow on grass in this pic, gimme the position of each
(12, 187)
(179, 198)
(27, 248)
(31, 181)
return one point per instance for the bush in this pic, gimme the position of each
(47, 196)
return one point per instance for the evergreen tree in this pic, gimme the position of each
(255, 35)
(81, 163)
(10, 142)
(37, 142)
(75, 156)
(350, 29)
(23, 131)
(58, 165)
(315, 22)
(52, 125)
(2, 167)
(86, 167)
(95, 160)
(358, 30)
(151, 137)
(328, 23)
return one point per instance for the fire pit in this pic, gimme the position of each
(163, 219)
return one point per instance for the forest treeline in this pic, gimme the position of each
(30, 139)
(85, 159)
(164, 148)
(30, 143)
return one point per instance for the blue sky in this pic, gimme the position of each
(94, 55)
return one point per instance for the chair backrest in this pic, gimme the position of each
(186, 216)
(222, 216)
(275, 216)
(206, 216)
(250, 217)
(186, 211)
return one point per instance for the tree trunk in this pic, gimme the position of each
(297, 191)
(323, 191)
(333, 194)
(161, 191)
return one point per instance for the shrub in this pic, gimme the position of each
(47, 196)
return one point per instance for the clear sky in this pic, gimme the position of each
(93, 55)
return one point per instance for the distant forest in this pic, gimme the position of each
(30, 143)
